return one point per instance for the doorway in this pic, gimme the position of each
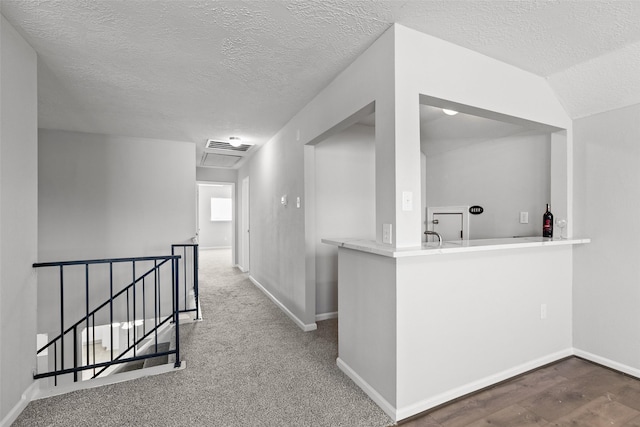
(215, 215)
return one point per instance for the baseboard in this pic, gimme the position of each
(304, 326)
(474, 386)
(28, 395)
(387, 407)
(111, 379)
(241, 268)
(416, 408)
(634, 372)
(326, 316)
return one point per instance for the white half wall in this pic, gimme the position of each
(465, 321)
(418, 331)
(607, 273)
(345, 199)
(18, 219)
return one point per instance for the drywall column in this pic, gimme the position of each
(18, 219)
(385, 169)
(397, 159)
(561, 178)
(407, 167)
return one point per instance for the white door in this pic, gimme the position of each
(451, 222)
(449, 225)
(244, 225)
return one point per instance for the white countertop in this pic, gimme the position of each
(451, 247)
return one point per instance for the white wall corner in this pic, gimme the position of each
(326, 316)
(635, 372)
(29, 394)
(385, 405)
(304, 326)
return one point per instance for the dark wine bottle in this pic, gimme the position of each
(547, 223)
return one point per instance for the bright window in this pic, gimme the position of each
(220, 209)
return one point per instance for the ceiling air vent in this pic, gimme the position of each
(219, 160)
(222, 145)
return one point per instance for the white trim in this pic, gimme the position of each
(111, 379)
(304, 326)
(243, 244)
(449, 395)
(239, 267)
(17, 409)
(387, 407)
(209, 248)
(607, 362)
(326, 316)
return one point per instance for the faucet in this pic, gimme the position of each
(434, 233)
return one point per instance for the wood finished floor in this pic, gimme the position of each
(572, 392)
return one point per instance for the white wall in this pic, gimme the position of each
(278, 245)
(481, 312)
(110, 196)
(18, 219)
(418, 331)
(505, 176)
(213, 234)
(216, 174)
(104, 196)
(345, 200)
(468, 82)
(392, 73)
(607, 272)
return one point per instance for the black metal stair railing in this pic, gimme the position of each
(189, 253)
(128, 307)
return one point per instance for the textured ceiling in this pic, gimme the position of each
(198, 69)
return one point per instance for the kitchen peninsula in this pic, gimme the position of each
(421, 326)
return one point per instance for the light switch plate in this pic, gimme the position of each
(407, 201)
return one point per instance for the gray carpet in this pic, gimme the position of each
(247, 365)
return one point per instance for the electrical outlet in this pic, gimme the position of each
(524, 217)
(387, 233)
(543, 311)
